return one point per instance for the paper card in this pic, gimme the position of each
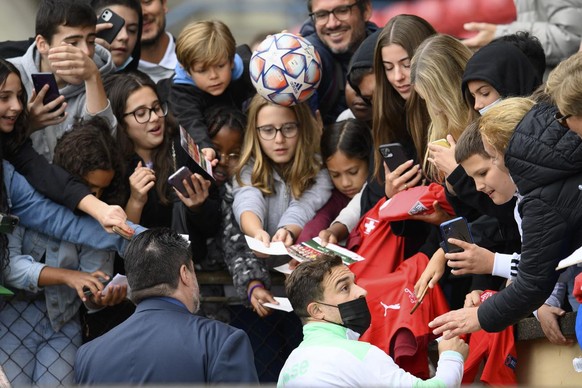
(283, 305)
(284, 269)
(274, 248)
(574, 258)
(202, 166)
(118, 280)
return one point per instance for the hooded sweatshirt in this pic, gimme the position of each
(545, 162)
(45, 140)
(503, 66)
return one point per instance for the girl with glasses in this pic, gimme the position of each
(146, 135)
(279, 185)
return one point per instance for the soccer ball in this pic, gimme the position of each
(285, 69)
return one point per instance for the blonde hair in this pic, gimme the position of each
(300, 173)
(208, 42)
(389, 108)
(436, 72)
(564, 85)
(498, 123)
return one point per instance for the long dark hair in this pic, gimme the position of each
(119, 87)
(352, 137)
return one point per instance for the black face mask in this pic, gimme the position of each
(355, 314)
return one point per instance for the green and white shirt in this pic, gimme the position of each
(326, 357)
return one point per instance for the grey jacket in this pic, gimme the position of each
(45, 140)
(556, 23)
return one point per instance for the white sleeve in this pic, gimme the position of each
(505, 265)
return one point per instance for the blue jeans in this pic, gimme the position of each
(31, 351)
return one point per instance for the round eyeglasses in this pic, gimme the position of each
(269, 132)
(143, 114)
(341, 13)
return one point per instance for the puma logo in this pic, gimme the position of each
(391, 307)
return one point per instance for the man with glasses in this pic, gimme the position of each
(336, 28)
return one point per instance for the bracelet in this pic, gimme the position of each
(290, 233)
(258, 285)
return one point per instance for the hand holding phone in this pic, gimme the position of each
(457, 228)
(39, 80)
(108, 16)
(176, 180)
(393, 155)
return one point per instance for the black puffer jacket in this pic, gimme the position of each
(545, 162)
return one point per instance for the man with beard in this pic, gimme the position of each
(164, 341)
(336, 28)
(158, 47)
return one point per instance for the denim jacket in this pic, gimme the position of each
(43, 215)
(27, 248)
(37, 212)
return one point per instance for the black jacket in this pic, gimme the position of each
(545, 162)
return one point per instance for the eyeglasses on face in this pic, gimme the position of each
(269, 132)
(229, 158)
(561, 119)
(143, 114)
(341, 13)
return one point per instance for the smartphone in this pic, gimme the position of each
(442, 142)
(41, 79)
(176, 179)
(393, 154)
(108, 16)
(456, 228)
(88, 292)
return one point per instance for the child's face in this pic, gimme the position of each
(280, 149)
(10, 105)
(397, 69)
(347, 174)
(357, 104)
(125, 41)
(483, 93)
(150, 134)
(227, 142)
(212, 79)
(82, 38)
(99, 180)
(490, 178)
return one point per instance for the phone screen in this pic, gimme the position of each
(457, 228)
(176, 179)
(393, 154)
(41, 79)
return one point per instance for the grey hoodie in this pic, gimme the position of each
(45, 140)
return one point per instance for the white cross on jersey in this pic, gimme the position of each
(370, 225)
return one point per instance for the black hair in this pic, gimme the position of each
(52, 14)
(12, 141)
(305, 284)
(219, 116)
(352, 137)
(531, 47)
(89, 146)
(153, 260)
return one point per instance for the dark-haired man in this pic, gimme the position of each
(163, 341)
(334, 312)
(336, 28)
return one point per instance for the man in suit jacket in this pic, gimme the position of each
(163, 341)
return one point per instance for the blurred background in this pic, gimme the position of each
(251, 18)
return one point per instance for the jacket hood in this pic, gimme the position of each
(503, 66)
(182, 76)
(541, 151)
(363, 58)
